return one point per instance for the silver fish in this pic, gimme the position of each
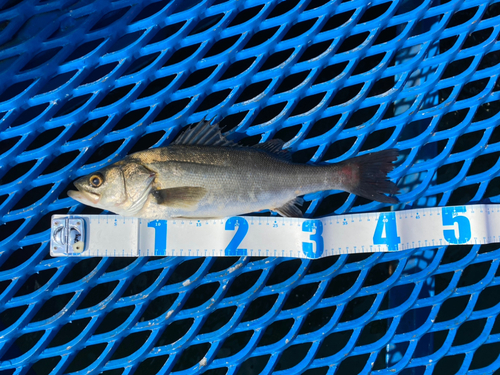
(204, 175)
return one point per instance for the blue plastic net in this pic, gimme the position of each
(84, 83)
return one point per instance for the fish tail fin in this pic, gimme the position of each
(367, 175)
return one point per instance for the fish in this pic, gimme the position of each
(202, 174)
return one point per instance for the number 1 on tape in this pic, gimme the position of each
(100, 235)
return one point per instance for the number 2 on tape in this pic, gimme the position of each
(241, 226)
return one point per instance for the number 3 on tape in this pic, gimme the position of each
(316, 238)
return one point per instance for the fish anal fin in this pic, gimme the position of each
(290, 208)
(180, 197)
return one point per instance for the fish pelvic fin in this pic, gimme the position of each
(180, 197)
(366, 175)
(290, 208)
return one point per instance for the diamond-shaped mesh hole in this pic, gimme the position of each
(88, 128)
(45, 366)
(217, 319)
(452, 308)
(213, 100)
(141, 64)
(110, 18)
(245, 15)
(259, 307)
(84, 49)
(130, 344)
(69, 332)
(449, 364)
(35, 282)
(98, 294)
(41, 58)
(221, 46)
(29, 114)
(115, 95)
(73, 104)
(172, 109)
(114, 319)
(201, 295)
(292, 356)
(18, 257)
(103, 152)
(317, 319)
(234, 343)
(22, 345)
(357, 307)
(151, 365)
(166, 32)
(283, 271)
(14, 90)
(254, 364)
(52, 307)
(141, 282)
(237, 68)
(261, 37)
(275, 332)
(300, 295)
(333, 343)
(34, 196)
(125, 41)
(243, 282)
(85, 357)
(10, 316)
(150, 10)
(353, 365)
(469, 331)
(99, 73)
(185, 270)
(174, 332)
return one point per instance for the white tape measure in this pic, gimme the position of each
(111, 235)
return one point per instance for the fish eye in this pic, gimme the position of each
(96, 180)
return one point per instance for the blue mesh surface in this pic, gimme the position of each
(84, 83)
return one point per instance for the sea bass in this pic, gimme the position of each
(204, 175)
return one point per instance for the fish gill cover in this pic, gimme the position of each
(84, 83)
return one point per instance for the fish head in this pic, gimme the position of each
(122, 189)
(102, 189)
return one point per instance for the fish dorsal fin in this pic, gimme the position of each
(275, 147)
(204, 134)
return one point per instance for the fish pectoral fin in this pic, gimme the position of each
(290, 208)
(180, 197)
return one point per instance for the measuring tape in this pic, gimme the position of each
(112, 235)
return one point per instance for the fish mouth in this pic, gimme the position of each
(84, 197)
